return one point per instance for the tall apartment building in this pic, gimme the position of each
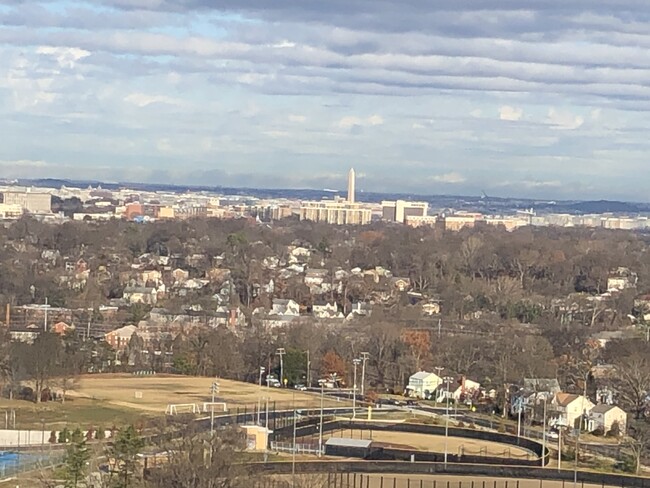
(338, 212)
(32, 202)
(401, 210)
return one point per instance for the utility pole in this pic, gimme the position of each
(259, 397)
(439, 369)
(544, 435)
(293, 459)
(45, 321)
(90, 316)
(519, 409)
(281, 352)
(364, 358)
(447, 379)
(356, 362)
(308, 370)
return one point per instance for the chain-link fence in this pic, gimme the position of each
(14, 463)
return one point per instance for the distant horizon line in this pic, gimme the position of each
(193, 186)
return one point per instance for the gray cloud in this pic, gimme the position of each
(207, 86)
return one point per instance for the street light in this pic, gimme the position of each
(520, 407)
(281, 352)
(447, 380)
(320, 428)
(356, 362)
(259, 398)
(364, 358)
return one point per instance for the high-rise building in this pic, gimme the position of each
(351, 178)
(401, 210)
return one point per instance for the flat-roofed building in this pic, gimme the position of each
(338, 212)
(425, 220)
(459, 221)
(30, 201)
(10, 211)
(401, 210)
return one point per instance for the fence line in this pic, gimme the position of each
(299, 448)
(361, 480)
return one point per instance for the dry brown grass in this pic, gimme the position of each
(161, 390)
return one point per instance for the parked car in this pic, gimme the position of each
(300, 386)
(552, 434)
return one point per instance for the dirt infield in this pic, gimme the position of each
(154, 393)
(431, 443)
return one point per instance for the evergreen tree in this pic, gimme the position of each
(76, 459)
(124, 452)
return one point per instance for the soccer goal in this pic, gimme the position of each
(175, 408)
(209, 407)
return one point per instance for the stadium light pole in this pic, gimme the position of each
(320, 428)
(281, 352)
(214, 389)
(259, 397)
(364, 358)
(355, 362)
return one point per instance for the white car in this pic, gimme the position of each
(552, 434)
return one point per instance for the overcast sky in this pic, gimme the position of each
(481, 95)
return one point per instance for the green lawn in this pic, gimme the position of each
(83, 413)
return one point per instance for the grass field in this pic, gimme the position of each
(110, 399)
(161, 390)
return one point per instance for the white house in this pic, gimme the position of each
(326, 311)
(569, 408)
(423, 383)
(285, 307)
(466, 389)
(603, 416)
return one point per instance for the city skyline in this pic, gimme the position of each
(549, 101)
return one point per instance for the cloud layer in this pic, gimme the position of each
(460, 97)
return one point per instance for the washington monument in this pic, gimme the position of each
(351, 178)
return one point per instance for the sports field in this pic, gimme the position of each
(110, 399)
(155, 393)
(432, 443)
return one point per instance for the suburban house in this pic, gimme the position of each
(603, 416)
(538, 390)
(621, 279)
(285, 307)
(231, 317)
(61, 328)
(118, 339)
(282, 313)
(430, 308)
(24, 333)
(466, 389)
(400, 284)
(360, 309)
(421, 384)
(326, 311)
(568, 408)
(148, 296)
